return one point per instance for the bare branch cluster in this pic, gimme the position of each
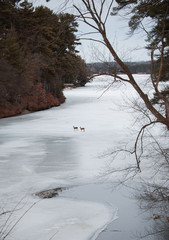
(9, 222)
(93, 16)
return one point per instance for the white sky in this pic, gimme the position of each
(128, 48)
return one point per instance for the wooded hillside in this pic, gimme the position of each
(37, 57)
(112, 67)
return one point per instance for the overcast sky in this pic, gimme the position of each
(129, 48)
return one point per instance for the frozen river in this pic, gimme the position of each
(41, 150)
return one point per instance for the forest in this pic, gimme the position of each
(37, 57)
(110, 67)
(110, 136)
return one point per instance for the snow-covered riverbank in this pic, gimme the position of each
(42, 151)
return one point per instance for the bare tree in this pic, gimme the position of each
(95, 14)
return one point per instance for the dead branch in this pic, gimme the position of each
(99, 25)
(141, 132)
(94, 40)
(135, 150)
(3, 213)
(141, 110)
(106, 89)
(115, 76)
(8, 226)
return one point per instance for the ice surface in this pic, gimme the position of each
(42, 151)
(63, 218)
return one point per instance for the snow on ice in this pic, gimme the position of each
(41, 151)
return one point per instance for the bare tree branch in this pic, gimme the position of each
(99, 25)
(141, 132)
(94, 40)
(8, 225)
(108, 11)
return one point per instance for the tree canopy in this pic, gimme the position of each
(40, 47)
(157, 34)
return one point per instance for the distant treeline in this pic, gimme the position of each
(37, 57)
(112, 67)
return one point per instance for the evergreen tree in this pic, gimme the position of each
(40, 47)
(157, 36)
(12, 51)
(8, 14)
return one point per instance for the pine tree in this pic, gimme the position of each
(39, 47)
(157, 35)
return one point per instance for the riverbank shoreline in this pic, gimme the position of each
(27, 104)
(42, 151)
